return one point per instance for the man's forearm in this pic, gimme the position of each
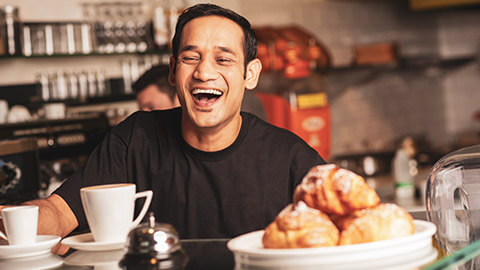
(55, 216)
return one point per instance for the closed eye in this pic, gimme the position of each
(224, 61)
(189, 60)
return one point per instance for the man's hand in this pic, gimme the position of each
(60, 249)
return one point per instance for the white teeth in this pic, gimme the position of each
(207, 91)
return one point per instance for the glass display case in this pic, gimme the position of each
(453, 200)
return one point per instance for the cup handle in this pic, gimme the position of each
(2, 235)
(148, 199)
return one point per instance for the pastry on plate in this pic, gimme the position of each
(299, 226)
(385, 221)
(335, 191)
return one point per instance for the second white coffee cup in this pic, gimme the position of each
(20, 224)
(109, 210)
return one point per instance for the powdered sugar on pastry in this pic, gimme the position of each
(343, 180)
(385, 221)
(301, 207)
(293, 215)
(299, 226)
(335, 190)
(314, 178)
(296, 209)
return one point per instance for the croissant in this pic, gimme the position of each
(336, 191)
(385, 221)
(299, 226)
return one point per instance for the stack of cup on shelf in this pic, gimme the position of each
(118, 27)
(107, 27)
(164, 18)
(60, 85)
(72, 85)
(57, 38)
(134, 67)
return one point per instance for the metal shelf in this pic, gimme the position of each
(410, 64)
(160, 51)
(31, 99)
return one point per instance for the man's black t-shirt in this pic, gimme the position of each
(202, 194)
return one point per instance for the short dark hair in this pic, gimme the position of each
(201, 10)
(157, 75)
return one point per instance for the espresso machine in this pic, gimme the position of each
(36, 157)
(19, 170)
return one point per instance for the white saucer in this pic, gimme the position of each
(94, 258)
(45, 261)
(43, 245)
(85, 242)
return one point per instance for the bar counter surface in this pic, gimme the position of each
(202, 253)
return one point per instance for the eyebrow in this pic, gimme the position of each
(221, 48)
(187, 48)
(227, 50)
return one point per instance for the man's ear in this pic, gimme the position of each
(171, 71)
(253, 70)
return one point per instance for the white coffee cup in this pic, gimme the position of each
(55, 110)
(109, 210)
(20, 223)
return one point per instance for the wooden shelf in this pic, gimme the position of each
(411, 64)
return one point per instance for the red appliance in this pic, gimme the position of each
(309, 118)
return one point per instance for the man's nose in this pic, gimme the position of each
(205, 70)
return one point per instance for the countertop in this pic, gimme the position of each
(385, 187)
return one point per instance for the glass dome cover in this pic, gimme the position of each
(453, 198)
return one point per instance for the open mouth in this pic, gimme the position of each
(206, 96)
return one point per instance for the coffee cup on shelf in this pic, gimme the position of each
(18, 113)
(55, 110)
(109, 210)
(20, 223)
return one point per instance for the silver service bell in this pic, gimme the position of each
(153, 245)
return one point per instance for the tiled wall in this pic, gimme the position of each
(462, 99)
(370, 109)
(371, 115)
(373, 109)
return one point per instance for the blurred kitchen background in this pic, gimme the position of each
(354, 78)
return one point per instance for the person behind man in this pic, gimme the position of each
(215, 171)
(153, 91)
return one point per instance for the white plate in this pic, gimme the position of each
(248, 250)
(95, 258)
(85, 242)
(43, 245)
(385, 264)
(45, 261)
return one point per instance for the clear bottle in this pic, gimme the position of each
(13, 28)
(160, 25)
(405, 169)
